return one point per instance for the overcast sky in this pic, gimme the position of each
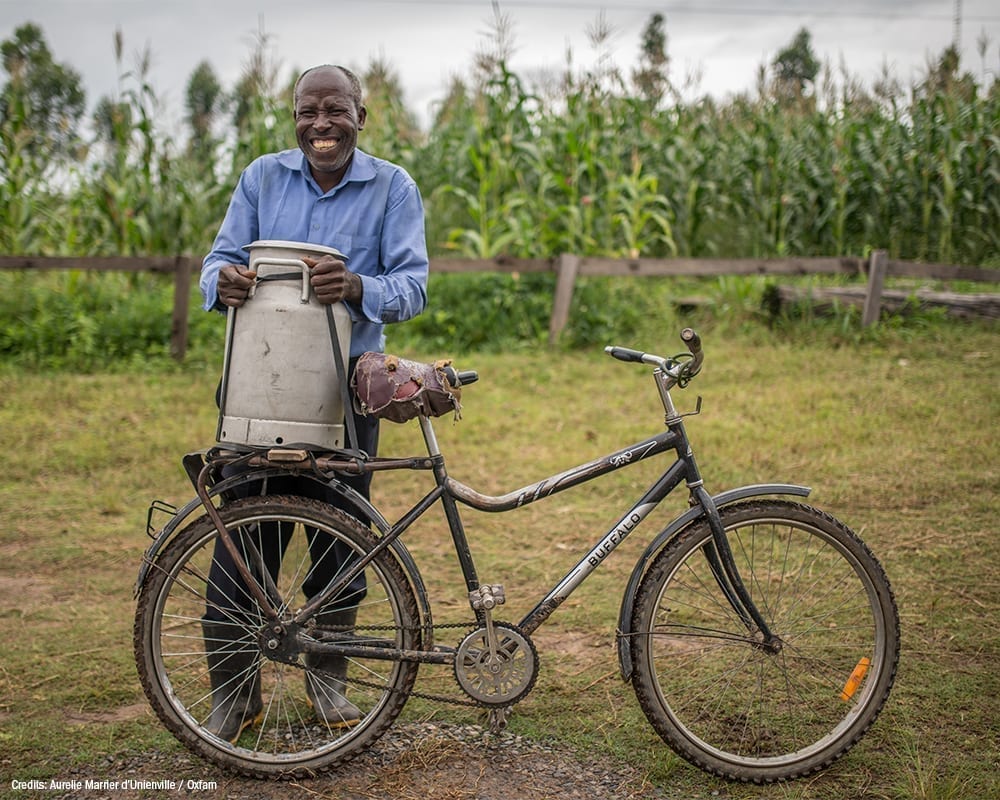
(430, 41)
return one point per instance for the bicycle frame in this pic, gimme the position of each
(683, 469)
(451, 492)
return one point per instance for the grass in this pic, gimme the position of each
(896, 432)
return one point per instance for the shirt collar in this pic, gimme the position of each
(361, 169)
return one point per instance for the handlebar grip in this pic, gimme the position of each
(463, 378)
(692, 340)
(624, 354)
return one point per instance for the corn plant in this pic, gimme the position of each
(21, 181)
(584, 165)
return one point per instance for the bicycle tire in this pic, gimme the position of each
(726, 704)
(290, 738)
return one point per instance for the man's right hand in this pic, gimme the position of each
(234, 285)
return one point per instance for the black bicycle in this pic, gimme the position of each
(760, 634)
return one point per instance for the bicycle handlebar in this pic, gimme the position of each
(625, 354)
(691, 368)
(690, 337)
(684, 370)
(458, 378)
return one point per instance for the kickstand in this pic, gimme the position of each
(498, 719)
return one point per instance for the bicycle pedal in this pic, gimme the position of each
(487, 597)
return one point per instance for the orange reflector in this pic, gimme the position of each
(855, 680)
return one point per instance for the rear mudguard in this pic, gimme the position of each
(623, 634)
(364, 510)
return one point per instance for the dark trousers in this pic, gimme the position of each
(227, 595)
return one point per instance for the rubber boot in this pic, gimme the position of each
(326, 689)
(234, 677)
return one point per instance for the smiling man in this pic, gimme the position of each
(330, 193)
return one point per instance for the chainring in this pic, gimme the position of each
(501, 678)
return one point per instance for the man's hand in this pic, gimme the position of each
(234, 285)
(332, 281)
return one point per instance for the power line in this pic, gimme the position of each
(729, 11)
(667, 10)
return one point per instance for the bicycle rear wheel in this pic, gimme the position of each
(283, 734)
(727, 704)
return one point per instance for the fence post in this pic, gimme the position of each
(182, 295)
(567, 266)
(877, 265)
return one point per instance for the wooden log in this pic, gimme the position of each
(498, 264)
(983, 305)
(165, 264)
(943, 272)
(649, 267)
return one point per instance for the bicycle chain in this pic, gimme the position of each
(437, 698)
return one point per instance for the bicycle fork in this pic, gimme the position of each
(724, 570)
(718, 552)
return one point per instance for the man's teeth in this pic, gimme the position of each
(324, 144)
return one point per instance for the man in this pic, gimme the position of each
(330, 193)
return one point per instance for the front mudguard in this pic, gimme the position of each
(623, 635)
(364, 511)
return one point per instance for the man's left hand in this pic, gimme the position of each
(332, 281)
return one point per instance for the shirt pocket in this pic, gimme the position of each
(362, 252)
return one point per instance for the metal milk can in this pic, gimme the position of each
(280, 384)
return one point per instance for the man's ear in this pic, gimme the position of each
(362, 116)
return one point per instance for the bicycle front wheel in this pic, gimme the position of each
(715, 693)
(227, 688)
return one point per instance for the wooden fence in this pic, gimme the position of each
(181, 267)
(570, 267)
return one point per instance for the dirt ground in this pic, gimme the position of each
(411, 762)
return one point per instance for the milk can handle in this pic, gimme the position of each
(286, 262)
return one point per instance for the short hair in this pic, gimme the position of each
(354, 80)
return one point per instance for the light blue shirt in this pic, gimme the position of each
(375, 216)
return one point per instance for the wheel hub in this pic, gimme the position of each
(278, 641)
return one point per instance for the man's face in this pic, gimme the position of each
(327, 122)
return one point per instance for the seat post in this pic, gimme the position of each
(430, 439)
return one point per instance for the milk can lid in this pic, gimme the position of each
(306, 248)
